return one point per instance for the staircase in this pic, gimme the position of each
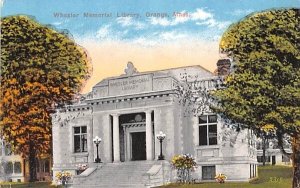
(116, 175)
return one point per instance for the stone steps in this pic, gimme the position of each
(110, 186)
(116, 175)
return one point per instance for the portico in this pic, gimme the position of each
(128, 139)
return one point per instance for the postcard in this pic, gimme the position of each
(125, 93)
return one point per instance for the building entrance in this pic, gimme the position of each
(136, 142)
(138, 146)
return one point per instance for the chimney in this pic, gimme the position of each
(223, 67)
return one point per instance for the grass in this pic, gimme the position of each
(27, 185)
(269, 176)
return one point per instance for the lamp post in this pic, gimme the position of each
(97, 141)
(161, 136)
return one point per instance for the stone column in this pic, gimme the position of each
(106, 144)
(116, 137)
(149, 147)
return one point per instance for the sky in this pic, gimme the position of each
(153, 34)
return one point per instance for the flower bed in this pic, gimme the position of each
(220, 178)
(63, 177)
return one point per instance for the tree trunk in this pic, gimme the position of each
(264, 150)
(296, 161)
(32, 163)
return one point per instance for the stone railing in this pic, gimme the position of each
(215, 82)
(159, 174)
(78, 179)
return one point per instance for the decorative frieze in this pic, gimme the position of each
(133, 84)
(64, 118)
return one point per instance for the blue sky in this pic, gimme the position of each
(151, 43)
(208, 18)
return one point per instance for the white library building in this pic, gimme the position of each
(109, 137)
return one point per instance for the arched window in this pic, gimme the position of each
(17, 167)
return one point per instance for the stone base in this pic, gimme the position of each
(234, 172)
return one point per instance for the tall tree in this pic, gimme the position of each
(263, 90)
(40, 67)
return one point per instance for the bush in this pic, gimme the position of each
(63, 177)
(184, 164)
(220, 178)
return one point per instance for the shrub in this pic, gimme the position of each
(220, 178)
(184, 164)
(63, 177)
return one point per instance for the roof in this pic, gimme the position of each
(175, 72)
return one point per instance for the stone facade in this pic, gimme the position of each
(128, 111)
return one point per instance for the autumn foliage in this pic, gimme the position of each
(40, 67)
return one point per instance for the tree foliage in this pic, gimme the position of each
(40, 67)
(263, 91)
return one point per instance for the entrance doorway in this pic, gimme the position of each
(138, 146)
(273, 160)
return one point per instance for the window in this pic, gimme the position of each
(80, 139)
(208, 130)
(47, 166)
(208, 172)
(260, 159)
(17, 167)
(9, 168)
(252, 170)
(7, 150)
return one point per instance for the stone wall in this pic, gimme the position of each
(64, 157)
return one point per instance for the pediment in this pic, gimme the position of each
(134, 82)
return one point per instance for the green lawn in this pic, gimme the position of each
(27, 185)
(269, 176)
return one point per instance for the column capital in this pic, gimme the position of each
(148, 111)
(115, 114)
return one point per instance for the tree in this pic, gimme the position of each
(265, 137)
(263, 90)
(40, 67)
